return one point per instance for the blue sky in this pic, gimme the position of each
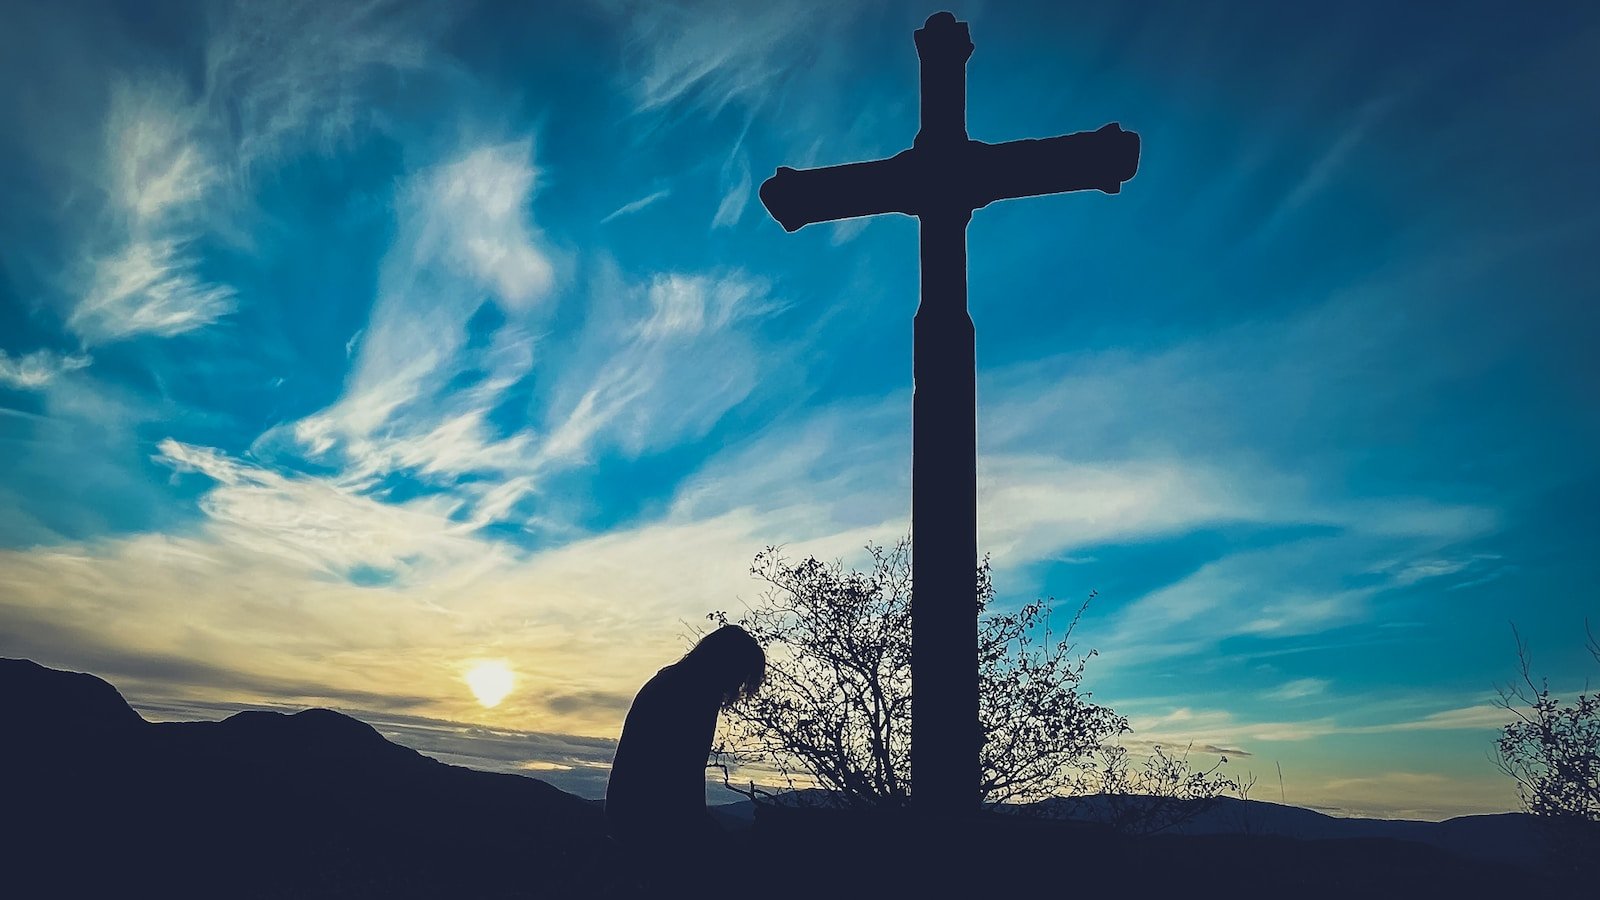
(346, 347)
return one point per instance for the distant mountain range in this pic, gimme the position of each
(1503, 837)
(1512, 838)
(97, 802)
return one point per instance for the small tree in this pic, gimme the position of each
(1164, 791)
(1552, 749)
(836, 708)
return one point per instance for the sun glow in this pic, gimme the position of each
(490, 680)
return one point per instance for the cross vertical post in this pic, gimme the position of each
(941, 180)
(945, 736)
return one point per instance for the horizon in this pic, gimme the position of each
(415, 738)
(441, 367)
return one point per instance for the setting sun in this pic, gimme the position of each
(490, 681)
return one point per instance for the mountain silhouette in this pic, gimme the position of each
(1501, 837)
(48, 704)
(1289, 851)
(98, 801)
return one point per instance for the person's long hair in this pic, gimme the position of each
(733, 659)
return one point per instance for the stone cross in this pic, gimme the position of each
(941, 180)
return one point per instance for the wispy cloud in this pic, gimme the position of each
(1322, 170)
(159, 172)
(685, 51)
(472, 216)
(1480, 717)
(1288, 589)
(148, 287)
(1353, 784)
(426, 382)
(630, 208)
(1035, 506)
(735, 191)
(301, 72)
(420, 392)
(643, 382)
(32, 371)
(320, 523)
(1227, 727)
(1298, 689)
(1413, 571)
(157, 166)
(177, 156)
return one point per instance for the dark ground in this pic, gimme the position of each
(96, 802)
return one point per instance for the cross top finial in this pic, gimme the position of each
(943, 45)
(942, 34)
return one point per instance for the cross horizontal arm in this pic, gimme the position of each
(800, 197)
(1099, 160)
(953, 178)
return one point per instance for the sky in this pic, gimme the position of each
(350, 349)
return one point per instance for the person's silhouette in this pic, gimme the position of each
(655, 803)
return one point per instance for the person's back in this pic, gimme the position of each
(655, 803)
(657, 785)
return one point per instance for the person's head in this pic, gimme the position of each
(732, 660)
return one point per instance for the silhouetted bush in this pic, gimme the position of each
(1552, 750)
(836, 708)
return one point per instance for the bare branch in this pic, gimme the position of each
(839, 696)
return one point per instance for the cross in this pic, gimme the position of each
(941, 180)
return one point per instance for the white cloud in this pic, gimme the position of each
(1180, 724)
(1033, 506)
(32, 371)
(1289, 589)
(496, 501)
(459, 444)
(1413, 571)
(650, 381)
(321, 524)
(691, 306)
(1479, 717)
(465, 233)
(176, 160)
(420, 396)
(1298, 689)
(473, 216)
(850, 461)
(148, 287)
(158, 175)
(157, 165)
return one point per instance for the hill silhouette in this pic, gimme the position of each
(314, 804)
(99, 802)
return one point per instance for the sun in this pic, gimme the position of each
(491, 680)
